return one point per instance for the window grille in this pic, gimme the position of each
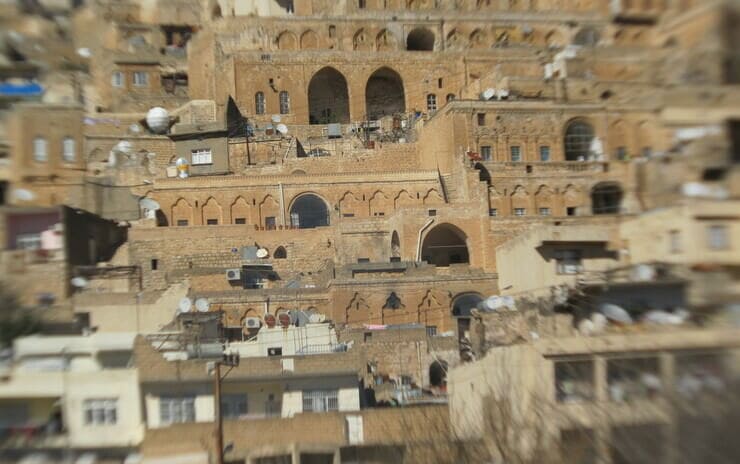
(100, 411)
(174, 410)
(320, 400)
(201, 156)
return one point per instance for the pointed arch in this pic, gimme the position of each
(350, 206)
(182, 213)
(361, 42)
(269, 211)
(478, 39)
(544, 200)
(308, 210)
(384, 93)
(241, 212)
(287, 41)
(211, 213)
(455, 40)
(572, 200)
(433, 197)
(309, 40)
(395, 245)
(328, 97)
(420, 39)
(280, 253)
(445, 244)
(380, 204)
(385, 41)
(619, 140)
(520, 201)
(97, 156)
(403, 199)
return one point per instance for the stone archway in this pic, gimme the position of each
(384, 94)
(309, 211)
(328, 97)
(445, 244)
(420, 39)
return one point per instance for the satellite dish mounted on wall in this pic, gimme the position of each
(262, 253)
(202, 305)
(282, 128)
(285, 319)
(184, 305)
(158, 120)
(488, 94)
(23, 195)
(79, 282)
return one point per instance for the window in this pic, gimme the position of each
(320, 400)
(544, 211)
(284, 102)
(28, 242)
(68, 149)
(674, 237)
(154, 264)
(432, 212)
(450, 97)
(717, 237)
(633, 378)
(520, 211)
(116, 79)
(486, 153)
(270, 223)
(516, 153)
(431, 102)
(272, 406)
(570, 211)
(578, 138)
(481, 119)
(240, 220)
(201, 156)
(621, 153)
(182, 222)
(259, 103)
(440, 83)
(141, 78)
(362, 4)
(544, 153)
(100, 411)
(568, 262)
(646, 152)
(574, 380)
(332, 31)
(211, 222)
(40, 152)
(431, 330)
(175, 410)
(493, 212)
(233, 406)
(275, 351)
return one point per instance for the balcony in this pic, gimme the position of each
(33, 436)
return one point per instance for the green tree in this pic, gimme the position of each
(16, 319)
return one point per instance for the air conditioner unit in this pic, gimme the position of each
(234, 274)
(252, 323)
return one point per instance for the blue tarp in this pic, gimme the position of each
(31, 89)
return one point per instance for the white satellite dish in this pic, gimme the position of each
(124, 146)
(149, 204)
(23, 194)
(79, 282)
(84, 52)
(158, 120)
(488, 94)
(282, 128)
(184, 305)
(275, 118)
(134, 128)
(262, 253)
(202, 305)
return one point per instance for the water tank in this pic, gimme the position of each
(158, 120)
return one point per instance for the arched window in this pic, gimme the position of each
(328, 97)
(284, 102)
(586, 37)
(280, 253)
(606, 198)
(450, 97)
(40, 150)
(578, 138)
(69, 153)
(395, 245)
(438, 374)
(384, 94)
(420, 39)
(431, 102)
(259, 103)
(309, 211)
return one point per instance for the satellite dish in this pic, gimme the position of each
(282, 128)
(202, 305)
(262, 253)
(134, 128)
(183, 168)
(84, 52)
(149, 204)
(488, 94)
(184, 305)
(275, 118)
(270, 320)
(158, 120)
(79, 282)
(23, 194)
(124, 146)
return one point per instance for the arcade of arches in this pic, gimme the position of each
(328, 97)
(309, 211)
(445, 244)
(384, 94)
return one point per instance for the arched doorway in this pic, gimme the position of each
(606, 198)
(438, 374)
(462, 307)
(578, 137)
(420, 39)
(444, 245)
(384, 94)
(328, 98)
(309, 211)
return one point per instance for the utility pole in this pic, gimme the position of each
(231, 361)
